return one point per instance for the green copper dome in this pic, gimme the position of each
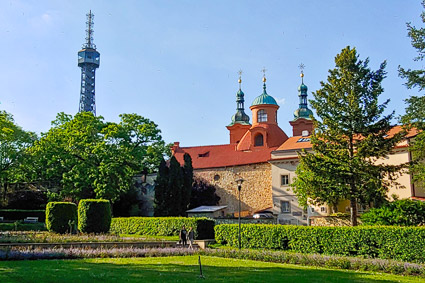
(303, 111)
(240, 117)
(264, 98)
(302, 88)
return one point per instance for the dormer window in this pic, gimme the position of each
(259, 140)
(305, 133)
(262, 116)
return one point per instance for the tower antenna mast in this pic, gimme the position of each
(88, 61)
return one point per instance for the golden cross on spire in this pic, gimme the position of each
(264, 74)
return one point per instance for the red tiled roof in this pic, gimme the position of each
(295, 143)
(213, 156)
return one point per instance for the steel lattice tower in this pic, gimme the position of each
(88, 61)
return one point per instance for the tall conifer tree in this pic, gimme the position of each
(161, 189)
(188, 182)
(415, 111)
(175, 188)
(350, 135)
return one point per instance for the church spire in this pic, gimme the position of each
(240, 117)
(302, 111)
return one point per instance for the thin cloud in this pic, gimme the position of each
(280, 101)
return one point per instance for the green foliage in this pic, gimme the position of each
(399, 243)
(20, 226)
(94, 216)
(173, 187)
(187, 183)
(91, 158)
(400, 212)
(350, 135)
(13, 156)
(415, 110)
(203, 193)
(21, 214)
(59, 215)
(163, 226)
(161, 207)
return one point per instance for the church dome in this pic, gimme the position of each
(303, 113)
(302, 88)
(264, 98)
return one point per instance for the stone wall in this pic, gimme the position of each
(331, 221)
(256, 193)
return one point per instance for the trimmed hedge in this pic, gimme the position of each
(58, 215)
(163, 226)
(21, 214)
(399, 243)
(94, 215)
(19, 226)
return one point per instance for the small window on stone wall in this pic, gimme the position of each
(216, 177)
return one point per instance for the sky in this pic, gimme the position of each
(176, 62)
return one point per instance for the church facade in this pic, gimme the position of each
(264, 156)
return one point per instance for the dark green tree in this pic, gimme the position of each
(415, 110)
(188, 182)
(161, 207)
(175, 188)
(350, 135)
(203, 194)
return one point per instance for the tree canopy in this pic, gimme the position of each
(415, 110)
(350, 136)
(92, 158)
(14, 142)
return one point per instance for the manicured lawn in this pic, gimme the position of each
(179, 269)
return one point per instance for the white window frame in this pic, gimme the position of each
(281, 180)
(288, 210)
(261, 116)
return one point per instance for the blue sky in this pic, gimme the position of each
(176, 62)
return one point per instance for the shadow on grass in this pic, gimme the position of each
(176, 269)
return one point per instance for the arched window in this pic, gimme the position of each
(262, 116)
(258, 140)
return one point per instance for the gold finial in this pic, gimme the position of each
(302, 66)
(240, 77)
(264, 74)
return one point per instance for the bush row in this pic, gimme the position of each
(20, 214)
(399, 243)
(94, 216)
(163, 226)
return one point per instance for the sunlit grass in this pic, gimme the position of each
(179, 269)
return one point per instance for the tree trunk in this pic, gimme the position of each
(353, 211)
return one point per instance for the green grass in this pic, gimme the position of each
(179, 269)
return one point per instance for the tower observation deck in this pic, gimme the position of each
(88, 61)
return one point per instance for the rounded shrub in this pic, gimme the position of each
(94, 216)
(59, 216)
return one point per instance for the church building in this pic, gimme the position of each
(264, 156)
(246, 156)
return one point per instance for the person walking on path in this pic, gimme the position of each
(190, 237)
(183, 236)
